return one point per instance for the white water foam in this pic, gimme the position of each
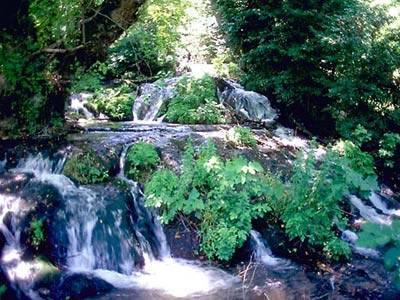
(263, 253)
(369, 213)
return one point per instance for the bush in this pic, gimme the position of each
(196, 103)
(241, 136)
(148, 47)
(142, 158)
(330, 62)
(385, 238)
(314, 195)
(223, 196)
(89, 80)
(86, 168)
(115, 103)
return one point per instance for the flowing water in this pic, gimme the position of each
(103, 240)
(262, 251)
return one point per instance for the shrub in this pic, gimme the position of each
(241, 136)
(224, 196)
(329, 61)
(148, 47)
(86, 168)
(387, 148)
(314, 194)
(142, 158)
(115, 103)
(196, 103)
(88, 80)
(387, 239)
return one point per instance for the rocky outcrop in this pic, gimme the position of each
(248, 105)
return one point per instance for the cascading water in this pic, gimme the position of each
(161, 272)
(262, 252)
(103, 239)
(369, 213)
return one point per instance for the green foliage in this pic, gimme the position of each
(196, 102)
(115, 103)
(387, 239)
(359, 160)
(86, 168)
(314, 195)
(361, 135)
(223, 196)
(321, 61)
(148, 47)
(241, 136)
(88, 80)
(142, 158)
(387, 148)
(37, 234)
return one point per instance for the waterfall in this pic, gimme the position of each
(78, 105)
(151, 98)
(126, 247)
(262, 252)
(369, 213)
(19, 272)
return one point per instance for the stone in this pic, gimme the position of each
(248, 105)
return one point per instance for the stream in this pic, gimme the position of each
(104, 243)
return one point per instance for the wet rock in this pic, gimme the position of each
(183, 239)
(151, 97)
(75, 286)
(45, 201)
(248, 105)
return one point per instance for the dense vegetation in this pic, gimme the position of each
(141, 159)
(331, 65)
(225, 196)
(195, 103)
(41, 45)
(86, 168)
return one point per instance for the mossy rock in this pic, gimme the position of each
(86, 168)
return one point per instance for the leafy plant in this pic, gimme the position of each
(387, 148)
(241, 136)
(224, 196)
(148, 46)
(196, 103)
(142, 158)
(37, 232)
(314, 194)
(86, 168)
(387, 239)
(88, 80)
(115, 103)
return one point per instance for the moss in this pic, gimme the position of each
(86, 168)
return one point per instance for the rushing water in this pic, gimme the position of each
(262, 252)
(102, 242)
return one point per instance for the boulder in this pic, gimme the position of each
(248, 106)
